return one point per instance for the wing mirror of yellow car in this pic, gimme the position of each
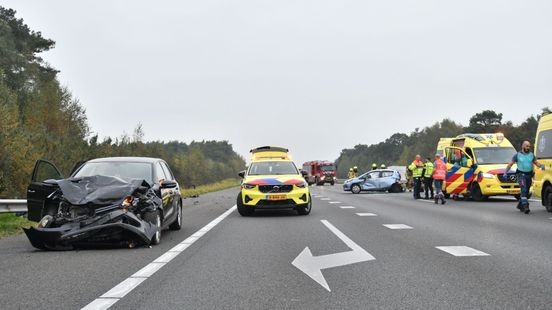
(242, 174)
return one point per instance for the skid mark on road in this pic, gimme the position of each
(461, 251)
(126, 286)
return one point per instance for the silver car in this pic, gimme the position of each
(375, 180)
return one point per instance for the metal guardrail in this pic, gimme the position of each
(13, 205)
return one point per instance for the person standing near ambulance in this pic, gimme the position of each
(428, 179)
(417, 168)
(439, 176)
(525, 161)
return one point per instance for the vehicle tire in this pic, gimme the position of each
(547, 198)
(243, 210)
(154, 217)
(447, 195)
(332, 183)
(356, 189)
(476, 193)
(177, 224)
(395, 188)
(306, 208)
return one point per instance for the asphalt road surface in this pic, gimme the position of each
(367, 251)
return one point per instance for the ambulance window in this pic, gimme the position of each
(544, 144)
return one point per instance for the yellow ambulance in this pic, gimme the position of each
(476, 164)
(542, 185)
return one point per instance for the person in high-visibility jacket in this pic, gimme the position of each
(417, 168)
(383, 166)
(439, 175)
(355, 171)
(374, 166)
(351, 174)
(428, 179)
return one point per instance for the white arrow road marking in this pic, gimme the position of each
(312, 265)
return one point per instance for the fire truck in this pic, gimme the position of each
(320, 172)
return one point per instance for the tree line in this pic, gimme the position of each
(400, 149)
(40, 119)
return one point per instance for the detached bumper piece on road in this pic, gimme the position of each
(105, 216)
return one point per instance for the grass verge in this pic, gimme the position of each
(10, 224)
(208, 188)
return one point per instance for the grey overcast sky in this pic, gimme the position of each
(315, 76)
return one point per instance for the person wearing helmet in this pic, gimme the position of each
(355, 171)
(351, 173)
(383, 166)
(374, 166)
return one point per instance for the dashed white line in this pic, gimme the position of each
(120, 290)
(397, 226)
(366, 214)
(325, 199)
(347, 207)
(461, 251)
(335, 202)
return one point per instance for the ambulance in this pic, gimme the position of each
(542, 185)
(476, 164)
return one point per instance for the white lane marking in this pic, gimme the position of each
(123, 288)
(397, 226)
(101, 304)
(426, 201)
(366, 214)
(347, 207)
(147, 271)
(325, 199)
(334, 202)
(120, 290)
(313, 265)
(462, 251)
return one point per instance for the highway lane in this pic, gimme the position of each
(33, 279)
(245, 262)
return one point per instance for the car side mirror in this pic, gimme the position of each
(304, 173)
(168, 184)
(242, 174)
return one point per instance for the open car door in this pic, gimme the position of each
(460, 172)
(38, 189)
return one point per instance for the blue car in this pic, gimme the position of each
(375, 180)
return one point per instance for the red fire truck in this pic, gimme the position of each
(320, 172)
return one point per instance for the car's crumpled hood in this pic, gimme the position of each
(99, 190)
(291, 179)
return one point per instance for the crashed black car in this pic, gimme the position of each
(107, 202)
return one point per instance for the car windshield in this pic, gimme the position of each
(272, 167)
(327, 168)
(494, 155)
(131, 170)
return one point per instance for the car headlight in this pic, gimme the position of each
(248, 186)
(301, 185)
(488, 175)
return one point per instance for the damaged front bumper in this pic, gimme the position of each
(118, 228)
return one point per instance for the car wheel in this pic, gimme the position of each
(355, 189)
(395, 188)
(476, 193)
(547, 198)
(306, 208)
(155, 219)
(332, 183)
(177, 224)
(244, 210)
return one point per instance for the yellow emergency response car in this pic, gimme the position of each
(272, 181)
(542, 184)
(475, 165)
(443, 142)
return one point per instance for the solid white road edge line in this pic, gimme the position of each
(126, 286)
